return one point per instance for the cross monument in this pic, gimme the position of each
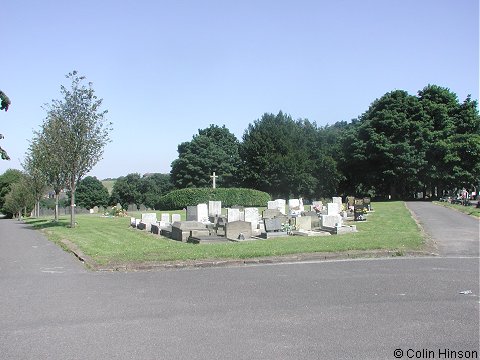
(214, 177)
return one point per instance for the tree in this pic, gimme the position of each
(453, 145)
(214, 149)
(80, 131)
(4, 104)
(46, 155)
(126, 191)
(36, 178)
(7, 179)
(20, 197)
(283, 157)
(152, 187)
(91, 193)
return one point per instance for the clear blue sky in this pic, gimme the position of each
(168, 68)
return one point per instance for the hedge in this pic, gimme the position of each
(179, 199)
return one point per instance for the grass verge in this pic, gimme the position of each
(469, 210)
(113, 241)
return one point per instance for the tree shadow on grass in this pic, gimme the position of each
(42, 224)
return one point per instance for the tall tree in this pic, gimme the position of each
(37, 179)
(91, 193)
(152, 187)
(214, 149)
(7, 179)
(83, 131)
(127, 190)
(20, 197)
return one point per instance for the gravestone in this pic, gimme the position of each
(133, 222)
(233, 214)
(270, 213)
(366, 203)
(95, 209)
(192, 213)
(271, 205)
(350, 201)
(358, 214)
(333, 209)
(238, 230)
(338, 200)
(295, 207)
(165, 217)
(251, 216)
(317, 205)
(303, 222)
(315, 220)
(181, 230)
(273, 228)
(198, 213)
(176, 217)
(147, 220)
(214, 208)
(331, 221)
(220, 225)
(272, 225)
(281, 204)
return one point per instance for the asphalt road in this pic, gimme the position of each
(454, 233)
(52, 308)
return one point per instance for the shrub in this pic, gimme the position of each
(179, 199)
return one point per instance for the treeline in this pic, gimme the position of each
(402, 145)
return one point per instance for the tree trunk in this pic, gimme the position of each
(72, 206)
(57, 195)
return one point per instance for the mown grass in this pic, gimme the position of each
(469, 210)
(113, 241)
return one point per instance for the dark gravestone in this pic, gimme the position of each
(358, 214)
(238, 230)
(192, 213)
(220, 225)
(272, 225)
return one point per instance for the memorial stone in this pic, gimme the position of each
(214, 208)
(238, 230)
(233, 214)
(251, 216)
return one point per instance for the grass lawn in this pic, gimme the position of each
(469, 210)
(113, 241)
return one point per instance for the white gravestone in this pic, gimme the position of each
(165, 217)
(333, 209)
(214, 208)
(233, 215)
(272, 205)
(252, 216)
(281, 203)
(202, 213)
(331, 221)
(176, 217)
(338, 200)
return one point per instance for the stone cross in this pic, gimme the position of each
(214, 177)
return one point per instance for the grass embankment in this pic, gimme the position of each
(469, 210)
(113, 241)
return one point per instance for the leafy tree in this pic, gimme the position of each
(20, 197)
(45, 152)
(285, 157)
(4, 104)
(81, 131)
(214, 149)
(127, 190)
(453, 145)
(7, 179)
(152, 187)
(36, 178)
(91, 193)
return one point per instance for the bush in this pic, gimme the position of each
(179, 199)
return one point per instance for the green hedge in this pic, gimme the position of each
(179, 199)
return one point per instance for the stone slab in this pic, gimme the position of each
(238, 229)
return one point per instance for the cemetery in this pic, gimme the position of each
(210, 223)
(211, 232)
